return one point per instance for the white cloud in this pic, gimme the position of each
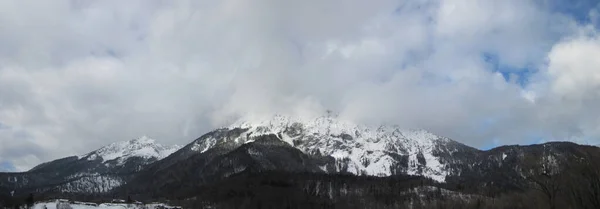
(572, 87)
(75, 75)
(573, 67)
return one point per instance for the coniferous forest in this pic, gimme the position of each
(578, 188)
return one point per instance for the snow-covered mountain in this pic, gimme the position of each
(119, 152)
(323, 145)
(357, 149)
(98, 171)
(331, 145)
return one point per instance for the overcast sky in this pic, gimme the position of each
(76, 75)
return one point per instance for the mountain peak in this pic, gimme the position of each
(143, 147)
(281, 121)
(329, 124)
(142, 140)
(362, 149)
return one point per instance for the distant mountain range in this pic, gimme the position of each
(321, 146)
(99, 171)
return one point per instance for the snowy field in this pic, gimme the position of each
(53, 205)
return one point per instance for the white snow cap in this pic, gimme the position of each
(143, 147)
(367, 151)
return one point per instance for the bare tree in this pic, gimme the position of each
(547, 182)
(584, 185)
(549, 186)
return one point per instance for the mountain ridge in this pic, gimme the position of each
(143, 147)
(324, 145)
(340, 147)
(118, 153)
(369, 149)
(98, 171)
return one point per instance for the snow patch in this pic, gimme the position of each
(91, 183)
(81, 205)
(143, 147)
(362, 149)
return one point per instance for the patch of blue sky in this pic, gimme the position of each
(519, 75)
(535, 139)
(6, 166)
(579, 9)
(529, 140)
(487, 124)
(491, 144)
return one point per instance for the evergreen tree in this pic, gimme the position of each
(29, 201)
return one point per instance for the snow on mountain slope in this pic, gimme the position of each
(93, 183)
(361, 150)
(142, 147)
(83, 205)
(99, 171)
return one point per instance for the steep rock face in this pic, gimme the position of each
(96, 172)
(356, 149)
(192, 148)
(264, 153)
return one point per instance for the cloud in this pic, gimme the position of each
(572, 86)
(75, 75)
